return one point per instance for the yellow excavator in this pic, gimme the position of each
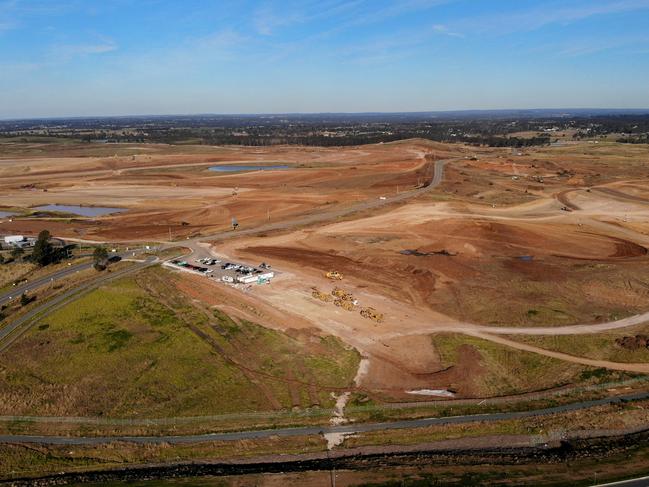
(334, 275)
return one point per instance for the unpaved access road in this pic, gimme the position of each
(201, 249)
(627, 367)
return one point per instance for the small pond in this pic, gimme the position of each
(80, 210)
(237, 168)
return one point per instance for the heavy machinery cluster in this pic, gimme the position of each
(344, 299)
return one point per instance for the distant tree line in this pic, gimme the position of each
(330, 130)
(640, 139)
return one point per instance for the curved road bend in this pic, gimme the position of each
(310, 219)
(31, 286)
(55, 276)
(307, 220)
(324, 216)
(316, 430)
(13, 330)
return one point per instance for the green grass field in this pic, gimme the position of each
(600, 346)
(134, 349)
(502, 370)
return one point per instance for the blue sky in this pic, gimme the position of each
(118, 57)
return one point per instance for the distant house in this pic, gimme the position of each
(18, 241)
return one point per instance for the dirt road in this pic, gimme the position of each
(534, 210)
(627, 367)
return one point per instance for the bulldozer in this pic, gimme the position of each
(317, 294)
(372, 314)
(345, 304)
(342, 294)
(334, 275)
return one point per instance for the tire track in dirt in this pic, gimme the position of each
(293, 390)
(312, 389)
(562, 198)
(619, 195)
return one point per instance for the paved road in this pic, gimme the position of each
(318, 430)
(15, 329)
(324, 216)
(193, 243)
(638, 482)
(16, 291)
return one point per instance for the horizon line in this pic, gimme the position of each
(277, 114)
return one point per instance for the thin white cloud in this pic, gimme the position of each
(68, 51)
(397, 9)
(15, 14)
(394, 47)
(8, 19)
(273, 16)
(443, 29)
(547, 14)
(586, 47)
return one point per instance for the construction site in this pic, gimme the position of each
(348, 284)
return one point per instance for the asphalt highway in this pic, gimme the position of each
(438, 175)
(325, 216)
(16, 291)
(638, 482)
(320, 430)
(30, 286)
(13, 330)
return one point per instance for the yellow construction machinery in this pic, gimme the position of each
(320, 295)
(342, 294)
(344, 304)
(334, 275)
(372, 314)
(343, 299)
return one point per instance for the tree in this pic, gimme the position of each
(43, 253)
(100, 258)
(24, 299)
(2, 259)
(17, 252)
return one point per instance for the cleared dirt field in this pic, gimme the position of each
(166, 192)
(556, 236)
